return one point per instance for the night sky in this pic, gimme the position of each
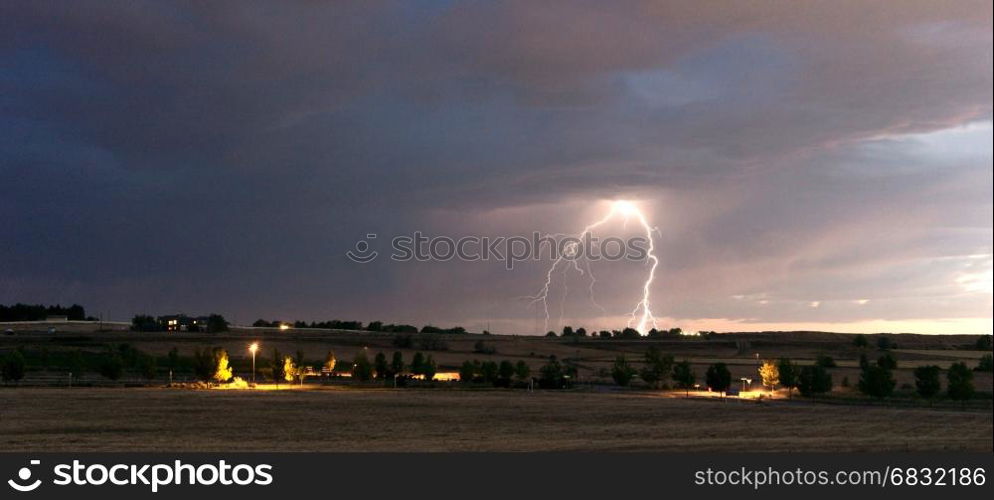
(824, 166)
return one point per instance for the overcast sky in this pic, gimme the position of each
(824, 166)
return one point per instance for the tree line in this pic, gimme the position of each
(39, 312)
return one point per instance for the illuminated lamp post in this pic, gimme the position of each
(253, 348)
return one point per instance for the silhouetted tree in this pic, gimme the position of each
(216, 323)
(397, 363)
(814, 380)
(887, 361)
(362, 370)
(12, 366)
(417, 363)
(622, 372)
(983, 343)
(145, 323)
(276, 365)
(505, 371)
(788, 374)
(522, 371)
(488, 371)
(884, 343)
(959, 382)
(657, 366)
(718, 377)
(860, 341)
(876, 381)
(380, 366)
(551, 374)
(429, 368)
(111, 366)
(825, 361)
(927, 381)
(467, 371)
(203, 364)
(985, 364)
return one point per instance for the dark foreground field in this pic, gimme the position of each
(134, 419)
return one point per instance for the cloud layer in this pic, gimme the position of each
(224, 156)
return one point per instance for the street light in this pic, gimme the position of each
(253, 348)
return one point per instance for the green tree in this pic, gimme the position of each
(76, 364)
(927, 381)
(203, 364)
(146, 366)
(788, 374)
(718, 377)
(397, 363)
(860, 341)
(876, 381)
(362, 369)
(814, 380)
(551, 374)
(172, 359)
(276, 364)
(488, 370)
(216, 323)
(825, 361)
(111, 366)
(657, 367)
(380, 366)
(984, 343)
(467, 371)
(417, 363)
(429, 368)
(505, 371)
(985, 364)
(12, 366)
(684, 376)
(959, 382)
(522, 371)
(887, 361)
(622, 372)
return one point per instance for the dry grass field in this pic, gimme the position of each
(147, 419)
(592, 356)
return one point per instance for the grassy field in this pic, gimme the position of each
(147, 419)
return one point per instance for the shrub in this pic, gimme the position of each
(12, 366)
(111, 366)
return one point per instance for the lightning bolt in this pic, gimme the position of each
(641, 315)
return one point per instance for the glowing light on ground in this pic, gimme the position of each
(641, 317)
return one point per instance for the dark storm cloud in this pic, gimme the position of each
(249, 144)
